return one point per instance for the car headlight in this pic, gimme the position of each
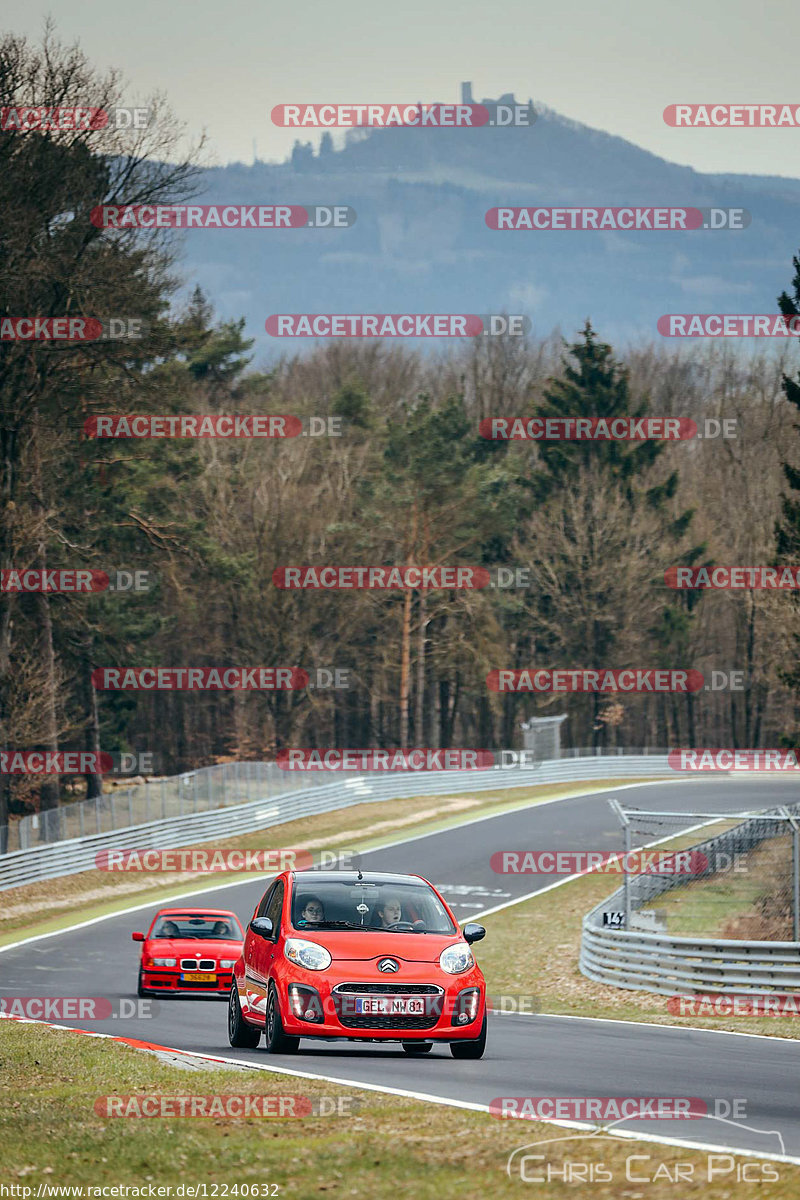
(456, 959)
(164, 962)
(307, 954)
(227, 962)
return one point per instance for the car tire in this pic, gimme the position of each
(240, 1034)
(470, 1049)
(140, 990)
(277, 1041)
(417, 1047)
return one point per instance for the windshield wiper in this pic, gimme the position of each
(310, 925)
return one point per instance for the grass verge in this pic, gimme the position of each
(750, 899)
(50, 1134)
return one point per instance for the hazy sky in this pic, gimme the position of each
(611, 65)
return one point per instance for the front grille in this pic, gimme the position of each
(344, 1005)
(391, 989)
(388, 1021)
(205, 964)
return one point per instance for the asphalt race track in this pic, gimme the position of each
(526, 1055)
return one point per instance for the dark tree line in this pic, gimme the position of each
(409, 481)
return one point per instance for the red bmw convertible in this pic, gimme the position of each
(368, 957)
(189, 950)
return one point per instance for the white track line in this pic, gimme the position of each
(770, 1037)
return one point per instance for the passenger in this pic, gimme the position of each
(313, 911)
(169, 930)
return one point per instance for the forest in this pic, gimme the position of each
(391, 470)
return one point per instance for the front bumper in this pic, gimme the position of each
(442, 998)
(164, 979)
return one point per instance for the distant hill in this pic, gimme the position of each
(420, 243)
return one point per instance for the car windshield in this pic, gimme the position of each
(206, 927)
(368, 905)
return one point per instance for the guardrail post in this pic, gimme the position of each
(626, 829)
(795, 872)
(163, 798)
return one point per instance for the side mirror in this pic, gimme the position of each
(137, 937)
(473, 932)
(262, 926)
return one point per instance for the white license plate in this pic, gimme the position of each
(385, 1006)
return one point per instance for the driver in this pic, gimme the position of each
(169, 930)
(390, 911)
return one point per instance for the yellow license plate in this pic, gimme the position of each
(198, 977)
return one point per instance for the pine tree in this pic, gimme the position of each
(787, 527)
(608, 503)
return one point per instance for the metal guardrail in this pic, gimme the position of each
(203, 790)
(69, 857)
(671, 965)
